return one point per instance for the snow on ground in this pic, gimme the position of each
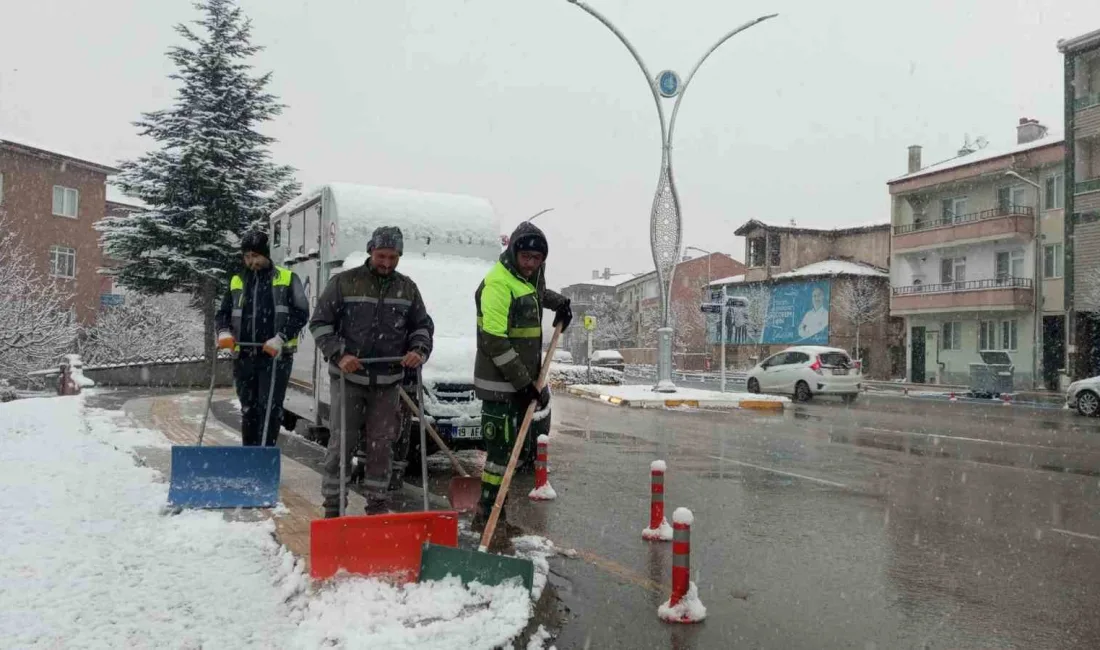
(641, 394)
(89, 561)
(539, 640)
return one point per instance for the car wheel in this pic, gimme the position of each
(802, 392)
(1088, 403)
(753, 385)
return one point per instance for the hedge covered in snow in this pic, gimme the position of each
(565, 374)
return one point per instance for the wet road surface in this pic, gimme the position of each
(807, 538)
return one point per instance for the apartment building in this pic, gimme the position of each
(1082, 198)
(52, 200)
(978, 258)
(596, 297)
(796, 291)
(639, 298)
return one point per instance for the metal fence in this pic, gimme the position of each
(968, 285)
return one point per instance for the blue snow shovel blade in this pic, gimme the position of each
(224, 477)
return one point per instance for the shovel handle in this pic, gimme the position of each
(494, 516)
(435, 435)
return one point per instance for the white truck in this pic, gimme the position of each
(451, 242)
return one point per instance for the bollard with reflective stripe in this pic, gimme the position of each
(683, 606)
(659, 530)
(543, 490)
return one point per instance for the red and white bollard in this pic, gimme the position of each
(543, 490)
(953, 398)
(659, 530)
(683, 606)
(1005, 400)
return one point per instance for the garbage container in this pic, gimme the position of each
(993, 376)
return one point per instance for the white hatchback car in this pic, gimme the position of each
(807, 370)
(1084, 396)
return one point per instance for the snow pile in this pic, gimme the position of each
(683, 516)
(539, 550)
(689, 610)
(562, 374)
(360, 613)
(88, 561)
(658, 466)
(544, 493)
(76, 371)
(539, 640)
(662, 533)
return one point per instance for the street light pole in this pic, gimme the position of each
(1037, 329)
(665, 228)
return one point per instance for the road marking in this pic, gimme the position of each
(781, 472)
(1073, 534)
(962, 438)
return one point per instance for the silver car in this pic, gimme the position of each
(1084, 396)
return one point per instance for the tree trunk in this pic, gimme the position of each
(208, 305)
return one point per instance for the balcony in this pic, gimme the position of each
(1091, 185)
(971, 295)
(1086, 101)
(998, 223)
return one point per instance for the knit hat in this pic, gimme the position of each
(387, 237)
(256, 242)
(531, 241)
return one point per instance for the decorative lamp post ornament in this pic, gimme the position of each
(665, 228)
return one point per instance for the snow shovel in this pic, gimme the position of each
(465, 490)
(388, 545)
(480, 566)
(227, 477)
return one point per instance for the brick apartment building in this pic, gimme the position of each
(53, 200)
(595, 297)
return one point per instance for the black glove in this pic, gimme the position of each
(563, 315)
(540, 397)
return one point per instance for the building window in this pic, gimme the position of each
(953, 269)
(953, 209)
(952, 336)
(773, 251)
(62, 262)
(1010, 264)
(1011, 199)
(65, 201)
(1052, 261)
(756, 252)
(1055, 195)
(1008, 335)
(987, 335)
(650, 290)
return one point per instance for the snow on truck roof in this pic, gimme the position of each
(428, 220)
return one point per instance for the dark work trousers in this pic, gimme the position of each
(373, 419)
(252, 376)
(499, 427)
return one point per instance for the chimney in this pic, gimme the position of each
(914, 158)
(595, 275)
(607, 273)
(1029, 130)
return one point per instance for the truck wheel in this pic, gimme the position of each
(290, 421)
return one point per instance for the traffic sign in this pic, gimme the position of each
(668, 83)
(589, 323)
(711, 308)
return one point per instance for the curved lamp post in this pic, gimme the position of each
(665, 228)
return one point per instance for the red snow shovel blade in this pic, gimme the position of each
(464, 492)
(383, 546)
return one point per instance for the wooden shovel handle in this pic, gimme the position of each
(435, 436)
(494, 516)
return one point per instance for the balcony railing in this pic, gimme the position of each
(1091, 185)
(967, 285)
(1088, 101)
(994, 213)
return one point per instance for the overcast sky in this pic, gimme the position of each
(534, 104)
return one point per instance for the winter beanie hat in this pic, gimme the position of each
(256, 242)
(532, 241)
(387, 237)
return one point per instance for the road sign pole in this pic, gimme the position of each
(723, 341)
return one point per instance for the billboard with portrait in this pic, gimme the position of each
(789, 313)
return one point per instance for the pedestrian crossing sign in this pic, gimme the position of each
(589, 323)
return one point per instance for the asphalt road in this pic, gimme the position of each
(828, 527)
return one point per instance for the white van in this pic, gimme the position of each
(451, 242)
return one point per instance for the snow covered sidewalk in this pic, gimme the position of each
(646, 397)
(88, 560)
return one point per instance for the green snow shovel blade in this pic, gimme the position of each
(438, 562)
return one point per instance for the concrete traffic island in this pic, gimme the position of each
(646, 397)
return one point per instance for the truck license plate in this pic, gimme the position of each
(465, 432)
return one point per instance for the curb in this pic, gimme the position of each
(755, 405)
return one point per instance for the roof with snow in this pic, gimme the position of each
(25, 147)
(982, 155)
(818, 269)
(612, 281)
(753, 224)
(1080, 43)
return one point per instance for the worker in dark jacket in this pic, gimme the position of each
(371, 311)
(266, 306)
(510, 301)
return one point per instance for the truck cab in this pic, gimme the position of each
(451, 242)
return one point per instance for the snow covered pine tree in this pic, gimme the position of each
(211, 178)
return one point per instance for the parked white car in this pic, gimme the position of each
(563, 356)
(807, 370)
(1084, 396)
